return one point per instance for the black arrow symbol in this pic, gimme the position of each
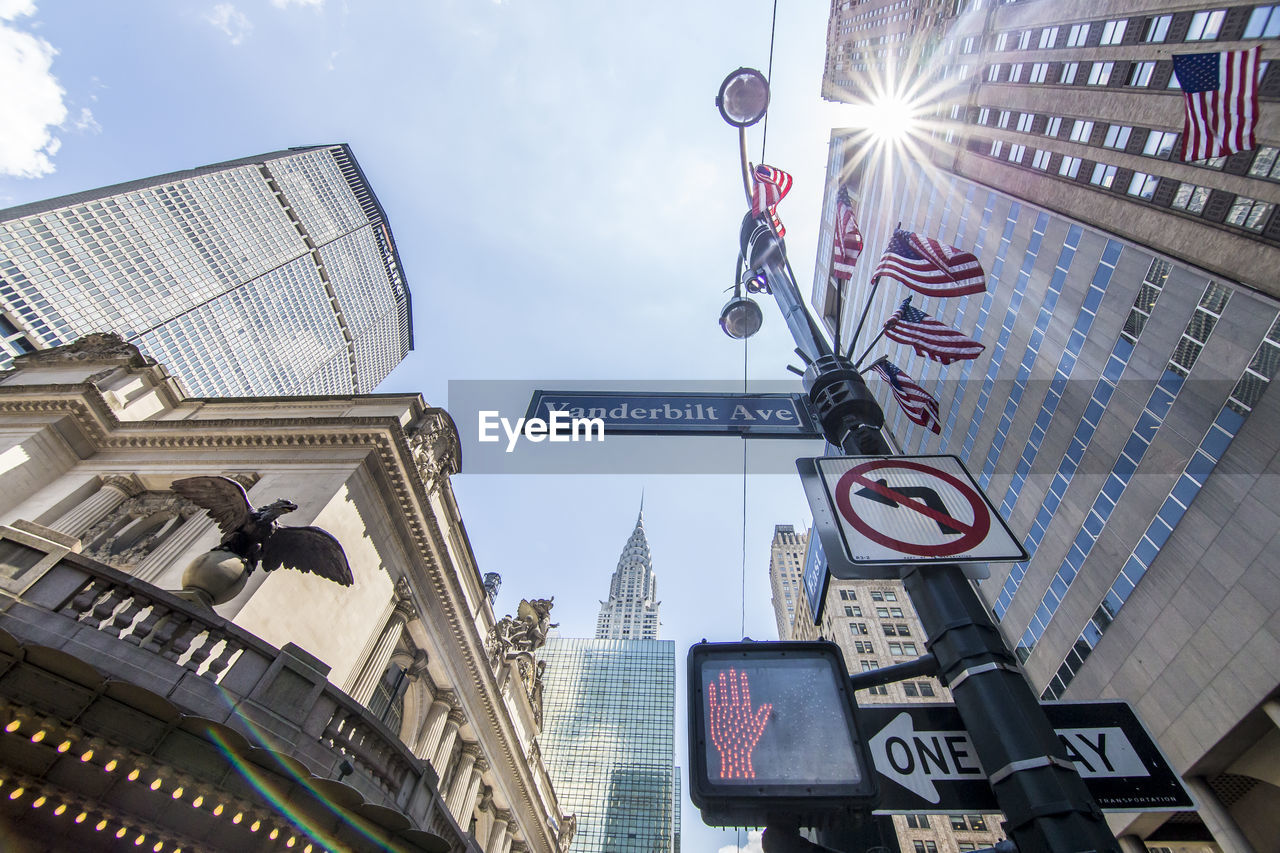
(928, 496)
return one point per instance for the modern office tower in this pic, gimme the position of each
(786, 565)
(631, 613)
(875, 626)
(268, 275)
(608, 730)
(1120, 416)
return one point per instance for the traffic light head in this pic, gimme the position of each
(772, 730)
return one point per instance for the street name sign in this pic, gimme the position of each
(815, 578)
(680, 413)
(931, 764)
(876, 513)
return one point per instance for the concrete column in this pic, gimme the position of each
(376, 663)
(1131, 844)
(462, 781)
(498, 832)
(432, 727)
(1221, 825)
(452, 722)
(473, 790)
(112, 492)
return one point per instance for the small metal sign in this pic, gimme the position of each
(680, 413)
(876, 513)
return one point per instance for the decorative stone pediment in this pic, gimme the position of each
(104, 347)
(434, 443)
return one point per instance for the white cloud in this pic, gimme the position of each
(230, 20)
(85, 122)
(285, 4)
(30, 99)
(754, 844)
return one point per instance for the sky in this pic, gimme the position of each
(565, 199)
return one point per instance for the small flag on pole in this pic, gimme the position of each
(848, 239)
(1221, 92)
(770, 187)
(929, 267)
(916, 402)
(930, 338)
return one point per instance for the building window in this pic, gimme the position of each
(1264, 23)
(1265, 163)
(889, 630)
(1100, 73)
(1002, 41)
(1081, 131)
(993, 73)
(1039, 71)
(957, 822)
(1049, 37)
(877, 596)
(926, 689)
(1191, 198)
(1205, 26)
(1024, 40)
(968, 45)
(925, 846)
(1158, 28)
(996, 147)
(1052, 126)
(890, 595)
(1069, 71)
(1103, 175)
(895, 612)
(977, 822)
(909, 648)
(1248, 213)
(1140, 74)
(895, 648)
(862, 647)
(1077, 35)
(858, 627)
(1113, 32)
(918, 821)
(1143, 185)
(1160, 144)
(984, 115)
(869, 665)
(1117, 136)
(882, 612)
(1003, 121)
(910, 689)
(1024, 122)
(1015, 72)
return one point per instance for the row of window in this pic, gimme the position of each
(890, 629)
(1217, 438)
(1152, 286)
(1202, 323)
(1206, 25)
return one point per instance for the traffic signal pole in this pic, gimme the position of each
(1046, 805)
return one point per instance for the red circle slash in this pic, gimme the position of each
(971, 536)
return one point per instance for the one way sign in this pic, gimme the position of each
(928, 757)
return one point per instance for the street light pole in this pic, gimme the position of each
(1046, 805)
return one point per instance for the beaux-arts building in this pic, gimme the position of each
(300, 715)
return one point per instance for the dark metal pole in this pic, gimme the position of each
(1046, 805)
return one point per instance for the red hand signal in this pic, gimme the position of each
(735, 728)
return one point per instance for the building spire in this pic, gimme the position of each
(631, 613)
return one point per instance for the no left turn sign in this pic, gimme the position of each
(905, 509)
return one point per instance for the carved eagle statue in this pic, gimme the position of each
(254, 536)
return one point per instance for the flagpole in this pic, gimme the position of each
(746, 166)
(867, 351)
(866, 309)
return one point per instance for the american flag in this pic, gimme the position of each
(1221, 92)
(927, 266)
(770, 187)
(848, 239)
(930, 338)
(916, 402)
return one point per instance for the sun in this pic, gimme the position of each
(893, 119)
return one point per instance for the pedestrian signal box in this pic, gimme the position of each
(773, 730)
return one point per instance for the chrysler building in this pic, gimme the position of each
(631, 613)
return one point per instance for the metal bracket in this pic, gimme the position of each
(1029, 764)
(976, 670)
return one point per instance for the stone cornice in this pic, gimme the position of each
(384, 435)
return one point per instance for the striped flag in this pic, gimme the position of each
(847, 245)
(927, 266)
(930, 338)
(916, 402)
(770, 187)
(1221, 93)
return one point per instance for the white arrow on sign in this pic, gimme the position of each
(917, 759)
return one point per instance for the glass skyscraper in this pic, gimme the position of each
(267, 275)
(608, 718)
